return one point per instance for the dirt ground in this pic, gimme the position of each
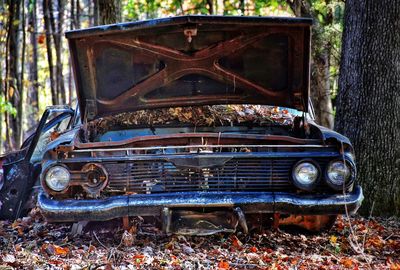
(358, 243)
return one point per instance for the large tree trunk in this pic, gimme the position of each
(368, 104)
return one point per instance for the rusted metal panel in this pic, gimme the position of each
(154, 58)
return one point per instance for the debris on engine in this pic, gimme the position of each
(216, 115)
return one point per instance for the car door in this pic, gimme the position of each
(20, 169)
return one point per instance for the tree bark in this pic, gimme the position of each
(20, 108)
(108, 11)
(210, 6)
(58, 46)
(368, 103)
(32, 95)
(320, 63)
(47, 28)
(56, 32)
(12, 77)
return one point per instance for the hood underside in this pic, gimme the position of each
(191, 60)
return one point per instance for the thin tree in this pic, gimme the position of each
(368, 104)
(12, 91)
(49, 50)
(32, 94)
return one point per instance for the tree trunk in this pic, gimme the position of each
(32, 95)
(47, 28)
(242, 6)
(56, 30)
(58, 46)
(108, 11)
(320, 87)
(320, 63)
(368, 104)
(12, 77)
(20, 108)
(210, 7)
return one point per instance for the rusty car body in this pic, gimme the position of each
(194, 178)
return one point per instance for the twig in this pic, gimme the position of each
(354, 244)
(98, 240)
(388, 236)
(369, 219)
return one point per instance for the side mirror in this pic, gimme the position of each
(59, 109)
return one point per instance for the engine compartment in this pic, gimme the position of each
(221, 119)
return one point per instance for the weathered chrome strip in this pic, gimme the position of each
(152, 204)
(133, 157)
(201, 146)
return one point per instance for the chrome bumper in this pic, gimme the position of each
(153, 204)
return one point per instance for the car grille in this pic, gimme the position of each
(238, 174)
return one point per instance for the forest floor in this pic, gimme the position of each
(356, 243)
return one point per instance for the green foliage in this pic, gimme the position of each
(6, 106)
(327, 34)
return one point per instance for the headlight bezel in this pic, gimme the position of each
(303, 186)
(347, 183)
(49, 185)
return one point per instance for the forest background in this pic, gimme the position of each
(361, 38)
(35, 69)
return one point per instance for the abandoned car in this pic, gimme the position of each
(201, 122)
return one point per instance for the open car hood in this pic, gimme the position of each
(191, 60)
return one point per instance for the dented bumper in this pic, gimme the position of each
(153, 204)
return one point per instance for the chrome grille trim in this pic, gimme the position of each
(237, 174)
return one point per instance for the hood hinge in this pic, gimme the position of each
(90, 109)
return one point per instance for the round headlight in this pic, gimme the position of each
(305, 175)
(57, 178)
(338, 174)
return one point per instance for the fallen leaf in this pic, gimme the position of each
(127, 239)
(223, 265)
(91, 249)
(236, 242)
(333, 240)
(187, 250)
(138, 259)
(61, 251)
(47, 249)
(347, 262)
(253, 249)
(8, 258)
(395, 266)
(253, 257)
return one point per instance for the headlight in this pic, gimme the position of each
(305, 174)
(57, 178)
(338, 174)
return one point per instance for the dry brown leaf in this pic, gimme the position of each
(395, 266)
(127, 239)
(8, 258)
(347, 262)
(223, 264)
(253, 257)
(61, 251)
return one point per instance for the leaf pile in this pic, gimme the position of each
(30, 243)
(217, 115)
